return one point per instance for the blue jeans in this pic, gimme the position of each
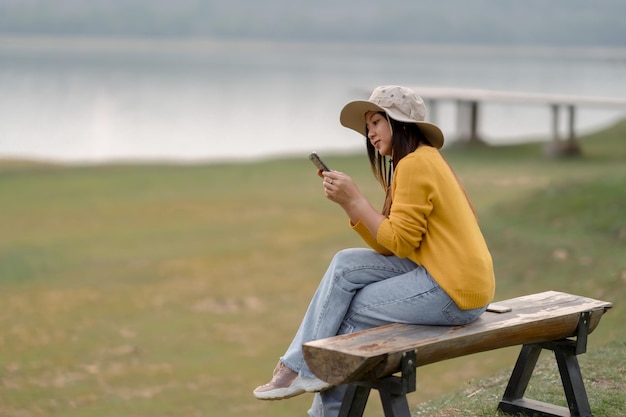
(363, 289)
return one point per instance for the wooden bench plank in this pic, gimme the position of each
(377, 352)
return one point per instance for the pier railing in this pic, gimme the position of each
(468, 103)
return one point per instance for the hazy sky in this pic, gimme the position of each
(546, 22)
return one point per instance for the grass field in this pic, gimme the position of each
(167, 290)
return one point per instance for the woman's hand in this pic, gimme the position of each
(342, 189)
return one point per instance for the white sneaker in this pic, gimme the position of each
(287, 383)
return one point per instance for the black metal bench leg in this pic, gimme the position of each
(392, 390)
(513, 401)
(394, 405)
(354, 401)
(392, 397)
(573, 384)
(523, 370)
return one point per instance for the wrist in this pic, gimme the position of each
(355, 206)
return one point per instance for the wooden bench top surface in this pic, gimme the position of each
(377, 352)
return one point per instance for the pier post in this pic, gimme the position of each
(467, 121)
(572, 146)
(556, 147)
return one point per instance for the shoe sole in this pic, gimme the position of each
(278, 394)
(291, 391)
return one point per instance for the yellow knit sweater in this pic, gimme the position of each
(432, 223)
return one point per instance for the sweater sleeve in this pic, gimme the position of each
(370, 240)
(413, 196)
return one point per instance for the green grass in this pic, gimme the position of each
(603, 370)
(167, 290)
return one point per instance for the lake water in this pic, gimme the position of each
(91, 100)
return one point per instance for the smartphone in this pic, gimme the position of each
(318, 162)
(498, 308)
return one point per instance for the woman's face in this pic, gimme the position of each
(378, 132)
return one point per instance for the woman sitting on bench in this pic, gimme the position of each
(428, 262)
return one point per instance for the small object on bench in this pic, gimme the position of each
(498, 308)
(368, 359)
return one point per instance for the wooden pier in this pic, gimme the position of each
(468, 107)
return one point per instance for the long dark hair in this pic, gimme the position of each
(405, 138)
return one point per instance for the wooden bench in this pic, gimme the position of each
(385, 358)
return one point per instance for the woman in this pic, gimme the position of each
(428, 262)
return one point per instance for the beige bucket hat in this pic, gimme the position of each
(400, 103)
